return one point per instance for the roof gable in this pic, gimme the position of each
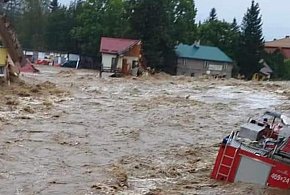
(202, 52)
(116, 45)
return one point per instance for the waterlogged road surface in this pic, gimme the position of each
(69, 132)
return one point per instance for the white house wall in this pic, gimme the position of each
(119, 63)
(73, 57)
(107, 60)
(130, 60)
(41, 55)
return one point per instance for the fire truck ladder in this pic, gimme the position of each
(227, 166)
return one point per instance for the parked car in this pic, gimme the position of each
(69, 64)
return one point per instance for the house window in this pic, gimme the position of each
(2, 70)
(215, 67)
(205, 65)
(184, 62)
(134, 63)
(114, 61)
(225, 66)
(114, 64)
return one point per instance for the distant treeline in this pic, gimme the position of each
(160, 24)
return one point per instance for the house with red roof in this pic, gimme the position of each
(120, 55)
(282, 45)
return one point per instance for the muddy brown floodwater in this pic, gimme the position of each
(67, 131)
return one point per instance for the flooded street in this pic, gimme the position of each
(68, 131)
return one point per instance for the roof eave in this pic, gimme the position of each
(107, 52)
(206, 59)
(277, 47)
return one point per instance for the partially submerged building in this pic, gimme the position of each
(120, 54)
(199, 60)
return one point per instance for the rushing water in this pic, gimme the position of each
(160, 134)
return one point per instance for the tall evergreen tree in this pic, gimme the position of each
(212, 15)
(252, 41)
(54, 5)
(234, 38)
(235, 26)
(220, 34)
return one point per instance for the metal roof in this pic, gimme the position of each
(116, 45)
(279, 43)
(201, 52)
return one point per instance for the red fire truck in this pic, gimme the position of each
(259, 152)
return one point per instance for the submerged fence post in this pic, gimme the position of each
(101, 70)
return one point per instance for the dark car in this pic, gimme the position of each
(69, 64)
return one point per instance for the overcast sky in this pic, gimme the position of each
(275, 14)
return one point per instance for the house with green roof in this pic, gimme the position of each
(199, 60)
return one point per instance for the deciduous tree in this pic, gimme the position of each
(162, 24)
(99, 18)
(220, 34)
